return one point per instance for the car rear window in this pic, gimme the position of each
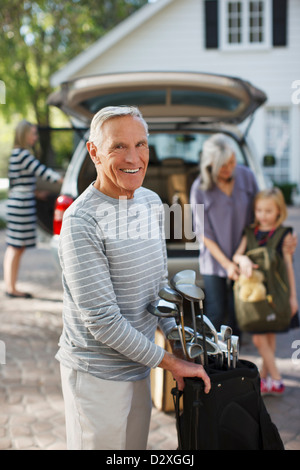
(205, 99)
(164, 97)
(187, 147)
(137, 98)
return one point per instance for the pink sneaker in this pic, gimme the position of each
(264, 387)
(277, 388)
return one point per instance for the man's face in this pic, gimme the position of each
(122, 157)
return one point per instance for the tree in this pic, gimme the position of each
(39, 37)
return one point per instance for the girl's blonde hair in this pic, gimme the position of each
(21, 132)
(278, 198)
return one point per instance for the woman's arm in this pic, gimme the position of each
(290, 243)
(226, 263)
(244, 262)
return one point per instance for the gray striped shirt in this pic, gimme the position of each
(113, 259)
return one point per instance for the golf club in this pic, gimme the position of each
(226, 334)
(164, 309)
(195, 351)
(185, 283)
(188, 277)
(214, 351)
(235, 350)
(210, 330)
(171, 295)
(174, 335)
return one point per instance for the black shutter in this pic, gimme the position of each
(279, 22)
(211, 24)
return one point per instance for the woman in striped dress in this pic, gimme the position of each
(21, 205)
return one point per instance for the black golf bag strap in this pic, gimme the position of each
(177, 394)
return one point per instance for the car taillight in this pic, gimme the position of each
(61, 205)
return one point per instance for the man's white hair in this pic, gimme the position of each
(111, 112)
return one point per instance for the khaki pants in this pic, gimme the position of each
(105, 414)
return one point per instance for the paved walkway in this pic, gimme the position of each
(31, 405)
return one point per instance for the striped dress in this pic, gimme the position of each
(21, 205)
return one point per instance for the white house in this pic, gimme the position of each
(255, 40)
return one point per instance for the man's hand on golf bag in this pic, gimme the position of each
(181, 368)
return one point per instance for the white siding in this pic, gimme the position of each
(171, 40)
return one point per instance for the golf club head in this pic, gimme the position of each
(174, 335)
(185, 283)
(194, 350)
(162, 309)
(211, 346)
(170, 295)
(222, 345)
(235, 340)
(226, 332)
(235, 349)
(190, 332)
(191, 292)
(209, 328)
(209, 323)
(188, 276)
(214, 352)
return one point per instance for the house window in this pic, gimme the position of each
(278, 143)
(245, 24)
(256, 22)
(234, 23)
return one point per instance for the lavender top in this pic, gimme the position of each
(225, 217)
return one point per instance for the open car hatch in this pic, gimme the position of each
(173, 96)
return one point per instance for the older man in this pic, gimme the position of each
(110, 275)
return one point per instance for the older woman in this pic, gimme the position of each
(227, 191)
(21, 209)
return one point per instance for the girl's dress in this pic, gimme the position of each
(21, 204)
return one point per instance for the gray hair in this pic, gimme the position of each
(216, 152)
(111, 112)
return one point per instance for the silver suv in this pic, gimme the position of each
(182, 109)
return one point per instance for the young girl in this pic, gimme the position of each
(270, 212)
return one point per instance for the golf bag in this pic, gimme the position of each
(231, 417)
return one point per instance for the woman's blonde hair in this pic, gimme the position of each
(276, 195)
(21, 132)
(216, 152)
